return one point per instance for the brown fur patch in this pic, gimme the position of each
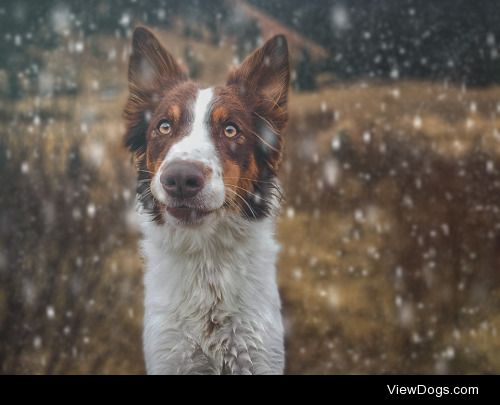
(175, 112)
(231, 176)
(250, 175)
(220, 114)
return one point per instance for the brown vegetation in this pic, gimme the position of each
(390, 235)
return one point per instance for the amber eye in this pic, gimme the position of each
(231, 130)
(164, 127)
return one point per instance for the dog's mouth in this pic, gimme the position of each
(186, 214)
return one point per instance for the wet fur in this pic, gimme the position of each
(211, 299)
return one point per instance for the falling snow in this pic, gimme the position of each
(390, 221)
(51, 312)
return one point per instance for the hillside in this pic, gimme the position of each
(390, 232)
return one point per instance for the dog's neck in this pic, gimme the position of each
(213, 287)
(225, 255)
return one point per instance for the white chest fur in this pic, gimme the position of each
(211, 299)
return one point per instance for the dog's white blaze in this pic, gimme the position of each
(197, 146)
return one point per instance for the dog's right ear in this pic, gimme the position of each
(152, 70)
(151, 67)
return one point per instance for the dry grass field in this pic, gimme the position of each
(390, 232)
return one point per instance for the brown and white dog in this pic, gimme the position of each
(207, 160)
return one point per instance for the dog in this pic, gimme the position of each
(208, 197)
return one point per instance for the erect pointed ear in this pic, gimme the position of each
(266, 72)
(151, 66)
(151, 71)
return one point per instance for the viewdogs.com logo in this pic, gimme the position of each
(438, 392)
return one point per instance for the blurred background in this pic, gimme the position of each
(390, 232)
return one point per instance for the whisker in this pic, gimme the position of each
(248, 205)
(255, 181)
(231, 204)
(147, 193)
(272, 185)
(264, 142)
(267, 122)
(249, 192)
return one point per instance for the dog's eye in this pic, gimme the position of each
(164, 127)
(231, 130)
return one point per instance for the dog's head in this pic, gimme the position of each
(201, 151)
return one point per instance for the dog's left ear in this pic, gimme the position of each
(266, 73)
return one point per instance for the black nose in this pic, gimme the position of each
(183, 179)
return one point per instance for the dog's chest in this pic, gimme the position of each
(209, 311)
(201, 309)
